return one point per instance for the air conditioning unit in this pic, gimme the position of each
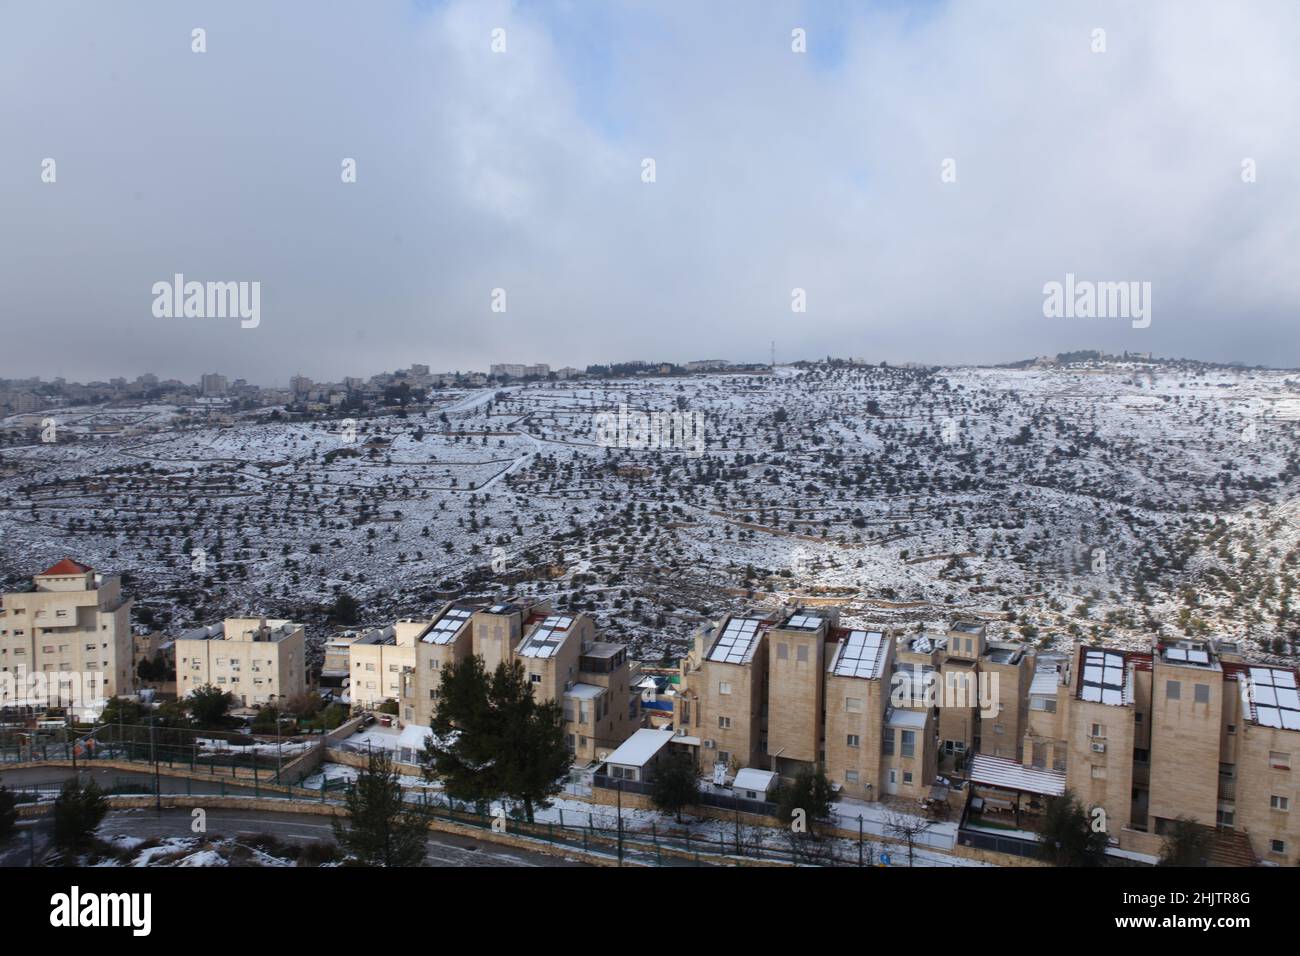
(708, 745)
(1098, 747)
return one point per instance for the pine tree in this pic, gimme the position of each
(676, 784)
(1069, 837)
(492, 739)
(78, 811)
(382, 829)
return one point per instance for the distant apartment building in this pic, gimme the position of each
(515, 370)
(212, 385)
(258, 661)
(72, 621)
(707, 365)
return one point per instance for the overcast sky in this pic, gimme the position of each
(522, 171)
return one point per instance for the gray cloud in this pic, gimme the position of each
(522, 171)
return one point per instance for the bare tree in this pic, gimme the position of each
(907, 828)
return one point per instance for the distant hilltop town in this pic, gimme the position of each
(214, 390)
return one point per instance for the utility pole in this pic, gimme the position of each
(859, 839)
(620, 821)
(153, 755)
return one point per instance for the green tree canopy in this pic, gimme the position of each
(1070, 836)
(676, 783)
(380, 828)
(493, 740)
(78, 811)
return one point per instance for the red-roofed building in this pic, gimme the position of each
(73, 622)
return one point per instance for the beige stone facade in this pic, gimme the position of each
(258, 661)
(73, 621)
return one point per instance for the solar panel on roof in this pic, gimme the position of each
(1103, 677)
(736, 643)
(1176, 654)
(1273, 694)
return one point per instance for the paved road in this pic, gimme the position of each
(445, 849)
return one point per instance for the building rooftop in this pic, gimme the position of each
(1009, 774)
(738, 640)
(860, 654)
(448, 625)
(65, 567)
(907, 719)
(584, 691)
(1188, 654)
(380, 635)
(602, 649)
(802, 621)
(545, 638)
(640, 748)
(925, 643)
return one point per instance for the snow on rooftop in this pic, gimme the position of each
(751, 778)
(909, 719)
(640, 748)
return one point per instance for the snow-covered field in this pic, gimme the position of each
(1093, 501)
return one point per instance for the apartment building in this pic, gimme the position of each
(1185, 731)
(1257, 786)
(559, 653)
(721, 706)
(796, 667)
(443, 642)
(72, 621)
(377, 661)
(858, 710)
(257, 660)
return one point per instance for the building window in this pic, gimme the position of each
(887, 742)
(854, 740)
(782, 652)
(1097, 730)
(1277, 846)
(1232, 729)
(1098, 773)
(1201, 693)
(724, 687)
(1278, 760)
(853, 705)
(1279, 803)
(535, 678)
(850, 776)
(907, 776)
(1173, 690)
(802, 653)
(724, 723)
(909, 743)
